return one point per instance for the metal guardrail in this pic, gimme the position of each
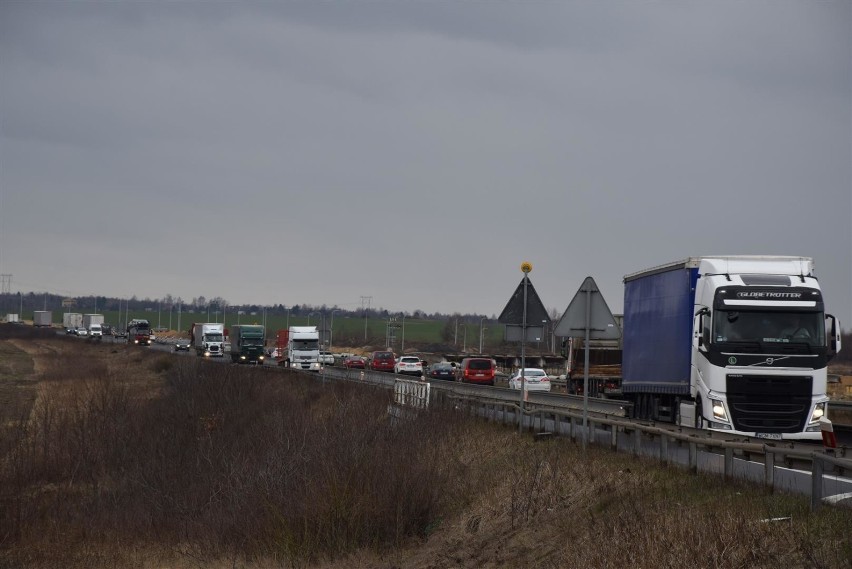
(565, 414)
(839, 406)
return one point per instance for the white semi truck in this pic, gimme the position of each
(298, 348)
(208, 339)
(737, 344)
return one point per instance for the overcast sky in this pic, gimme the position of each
(418, 152)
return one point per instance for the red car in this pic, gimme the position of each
(354, 362)
(477, 370)
(382, 361)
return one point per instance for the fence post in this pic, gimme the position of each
(637, 441)
(664, 448)
(693, 457)
(613, 436)
(769, 466)
(729, 463)
(816, 481)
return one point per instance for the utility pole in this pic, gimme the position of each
(366, 301)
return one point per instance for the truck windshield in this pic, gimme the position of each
(306, 344)
(252, 342)
(769, 327)
(213, 337)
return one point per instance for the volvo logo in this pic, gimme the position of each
(732, 360)
(770, 361)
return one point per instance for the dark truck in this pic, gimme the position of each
(247, 343)
(139, 332)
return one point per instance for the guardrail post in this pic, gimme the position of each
(664, 448)
(613, 436)
(693, 457)
(816, 481)
(557, 423)
(729, 463)
(590, 434)
(637, 441)
(769, 467)
(571, 428)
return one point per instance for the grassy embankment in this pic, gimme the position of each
(130, 457)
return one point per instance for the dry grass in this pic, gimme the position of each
(131, 457)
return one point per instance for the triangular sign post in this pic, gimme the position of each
(524, 317)
(513, 314)
(588, 317)
(601, 323)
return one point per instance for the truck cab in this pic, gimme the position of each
(761, 346)
(247, 344)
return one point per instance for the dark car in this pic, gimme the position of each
(382, 361)
(182, 345)
(356, 362)
(442, 370)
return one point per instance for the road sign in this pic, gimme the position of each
(601, 323)
(587, 317)
(513, 314)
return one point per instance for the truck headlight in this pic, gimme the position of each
(242, 357)
(260, 358)
(818, 412)
(719, 412)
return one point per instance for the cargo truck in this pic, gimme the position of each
(139, 332)
(89, 319)
(72, 320)
(738, 344)
(298, 348)
(208, 339)
(12, 318)
(42, 318)
(246, 344)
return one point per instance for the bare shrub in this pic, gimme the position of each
(218, 462)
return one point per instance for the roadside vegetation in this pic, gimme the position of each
(121, 456)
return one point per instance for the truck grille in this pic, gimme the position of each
(769, 404)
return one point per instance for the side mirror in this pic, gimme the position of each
(832, 336)
(700, 334)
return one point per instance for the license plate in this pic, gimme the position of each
(773, 436)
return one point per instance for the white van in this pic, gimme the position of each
(95, 331)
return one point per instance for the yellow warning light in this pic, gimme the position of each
(526, 267)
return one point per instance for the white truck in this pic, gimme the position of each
(10, 318)
(737, 344)
(208, 339)
(42, 318)
(298, 348)
(72, 320)
(91, 319)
